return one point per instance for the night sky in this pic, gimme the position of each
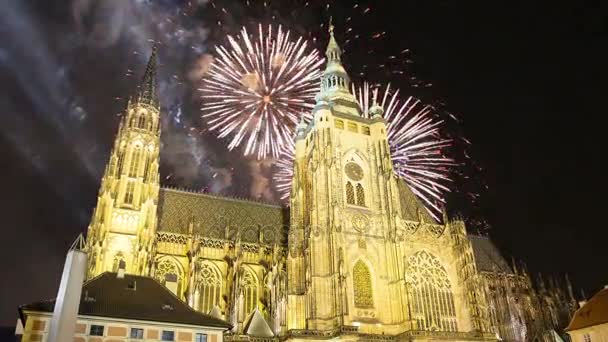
(527, 82)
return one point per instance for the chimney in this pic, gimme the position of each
(121, 269)
(63, 322)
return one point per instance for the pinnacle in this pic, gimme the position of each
(147, 92)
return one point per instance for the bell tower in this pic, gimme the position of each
(343, 192)
(123, 224)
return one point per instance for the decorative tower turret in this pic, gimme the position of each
(123, 225)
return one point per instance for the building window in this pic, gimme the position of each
(147, 165)
(353, 127)
(168, 335)
(141, 123)
(137, 333)
(129, 192)
(366, 130)
(430, 293)
(250, 292)
(96, 330)
(350, 193)
(587, 338)
(201, 338)
(339, 124)
(362, 285)
(121, 160)
(360, 195)
(209, 287)
(168, 268)
(135, 160)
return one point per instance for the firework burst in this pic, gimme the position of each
(417, 148)
(257, 87)
(416, 144)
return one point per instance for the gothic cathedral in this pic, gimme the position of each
(354, 257)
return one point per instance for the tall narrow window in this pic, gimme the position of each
(141, 123)
(350, 193)
(129, 192)
(209, 287)
(360, 195)
(430, 293)
(250, 292)
(362, 285)
(135, 160)
(121, 160)
(148, 161)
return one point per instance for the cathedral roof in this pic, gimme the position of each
(132, 297)
(594, 312)
(411, 207)
(487, 255)
(210, 215)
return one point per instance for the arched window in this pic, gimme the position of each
(430, 293)
(350, 193)
(121, 160)
(362, 285)
(360, 195)
(250, 291)
(130, 192)
(141, 122)
(135, 160)
(148, 161)
(209, 287)
(166, 271)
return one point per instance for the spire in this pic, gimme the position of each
(147, 91)
(335, 75)
(333, 51)
(335, 83)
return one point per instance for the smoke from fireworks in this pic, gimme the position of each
(257, 88)
(417, 148)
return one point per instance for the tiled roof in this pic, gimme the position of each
(211, 215)
(594, 312)
(109, 296)
(410, 205)
(487, 255)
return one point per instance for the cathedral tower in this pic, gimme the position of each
(123, 226)
(343, 201)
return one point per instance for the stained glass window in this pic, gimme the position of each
(250, 291)
(362, 284)
(350, 193)
(209, 286)
(135, 160)
(360, 195)
(430, 293)
(167, 269)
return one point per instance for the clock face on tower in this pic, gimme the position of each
(353, 171)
